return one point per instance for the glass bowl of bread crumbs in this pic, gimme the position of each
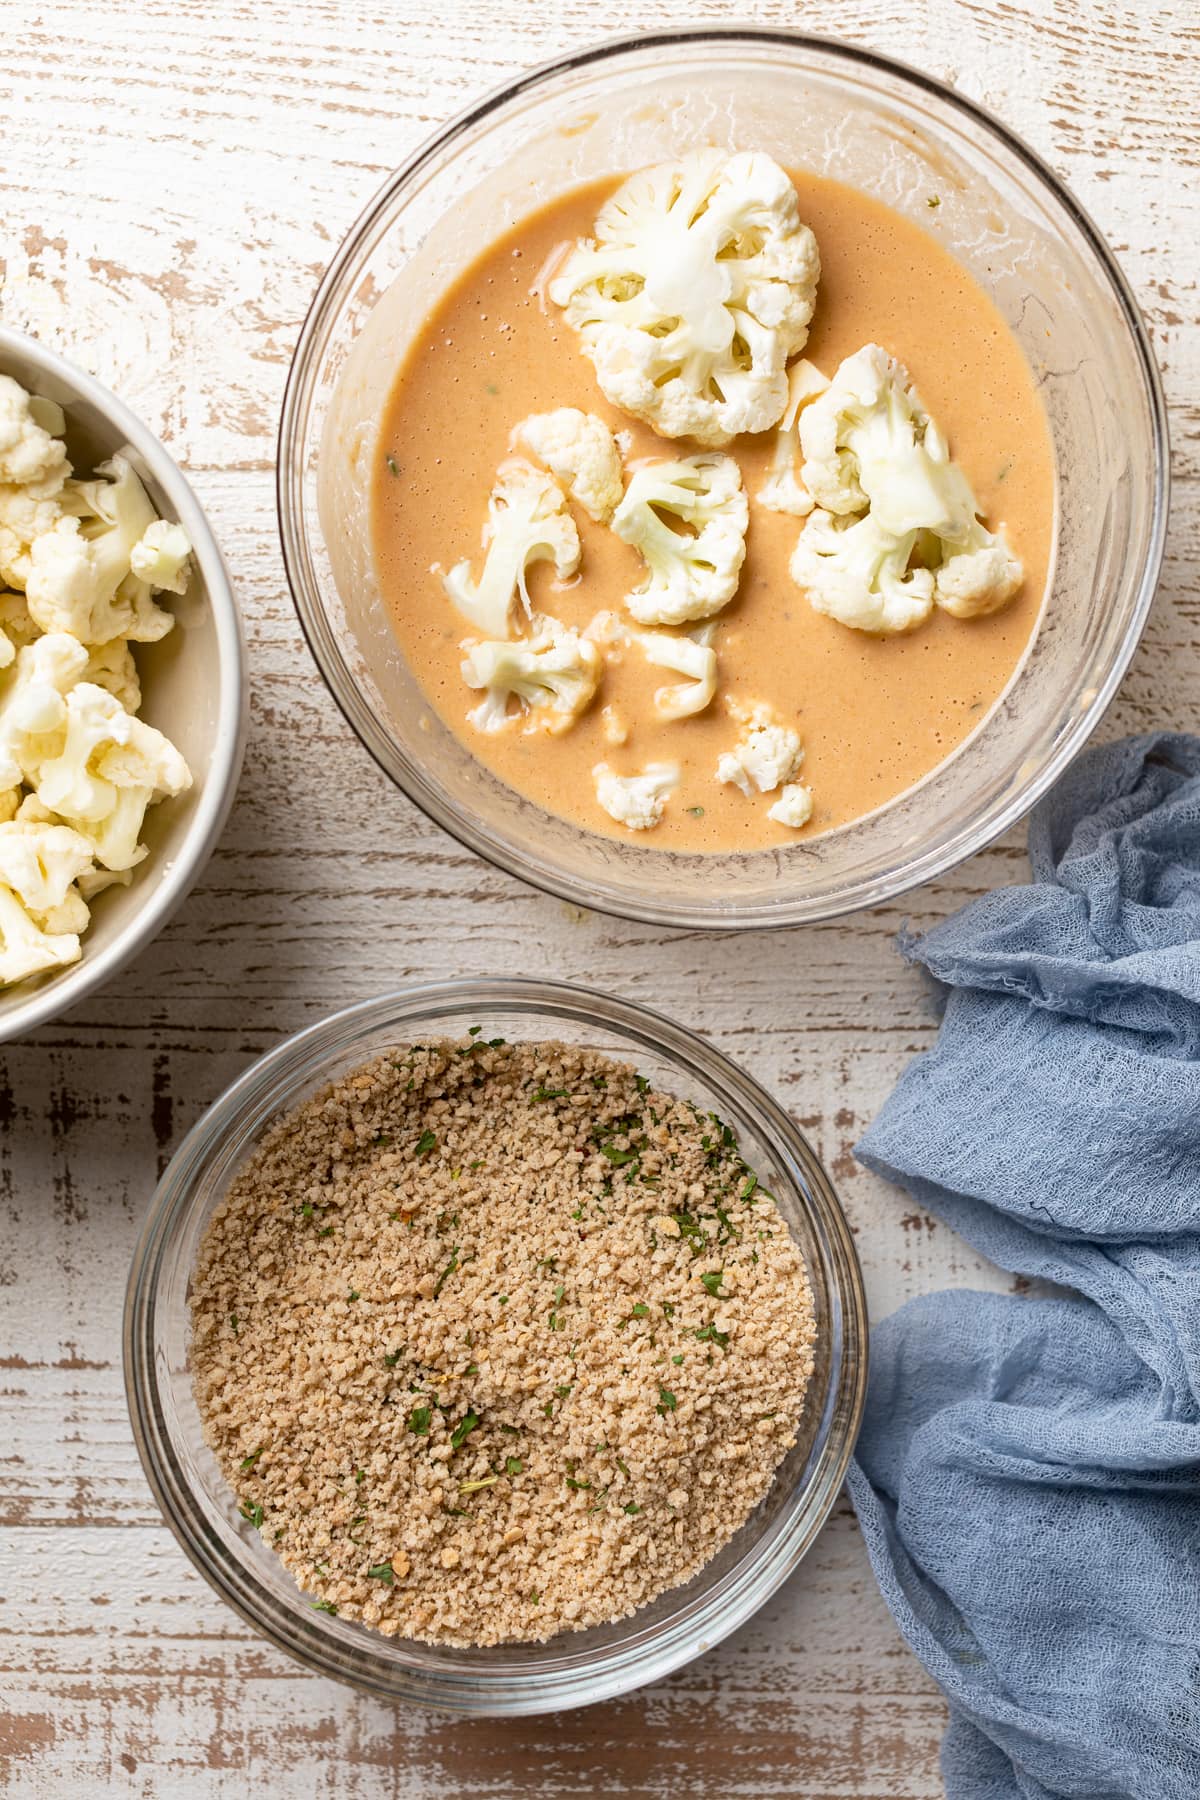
(495, 1345)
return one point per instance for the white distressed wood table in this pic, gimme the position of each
(175, 175)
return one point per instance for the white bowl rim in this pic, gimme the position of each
(221, 778)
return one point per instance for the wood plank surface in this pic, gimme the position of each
(176, 174)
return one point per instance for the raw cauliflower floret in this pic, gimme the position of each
(694, 571)
(81, 577)
(766, 755)
(33, 703)
(581, 452)
(855, 572)
(782, 492)
(112, 666)
(41, 863)
(105, 771)
(552, 674)
(976, 574)
(25, 949)
(637, 801)
(872, 453)
(688, 656)
(527, 523)
(160, 557)
(868, 442)
(695, 292)
(25, 514)
(31, 429)
(793, 807)
(90, 881)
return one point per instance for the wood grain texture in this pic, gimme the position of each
(176, 174)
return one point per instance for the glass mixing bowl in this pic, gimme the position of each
(577, 1667)
(846, 113)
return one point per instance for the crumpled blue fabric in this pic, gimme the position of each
(1028, 1474)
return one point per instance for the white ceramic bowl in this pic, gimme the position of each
(193, 685)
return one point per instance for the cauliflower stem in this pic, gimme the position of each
(527, 523)
(688, 657)
(782, 492)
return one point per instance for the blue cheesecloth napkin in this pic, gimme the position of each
(1028, 1474)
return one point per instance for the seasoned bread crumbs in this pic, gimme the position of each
(496, 1341)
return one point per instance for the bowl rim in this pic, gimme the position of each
(220, 780)
(926, 866)
(271, 1083)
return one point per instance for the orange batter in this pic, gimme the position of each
(874, 714)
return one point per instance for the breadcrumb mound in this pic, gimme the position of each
(497, 1341)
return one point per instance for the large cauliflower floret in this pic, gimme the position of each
(856, 572)
(33, 703)
(81, 577)
(868, 442)
(690, 657)
(552, 675)
(581, 452)
(782, 492)
(637, 801)
(103, 772)
(694, 565)
(31, 429)
(765, 756)
(874, 456)
(527, 523)
(696, 290)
